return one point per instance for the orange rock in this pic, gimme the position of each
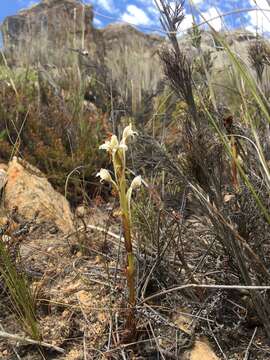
(202, 351)
(28, 190)
(3, 166)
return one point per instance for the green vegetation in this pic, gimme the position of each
(22, 297)
(44, 120)
(196, 237)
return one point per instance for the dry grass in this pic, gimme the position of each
(202, 221)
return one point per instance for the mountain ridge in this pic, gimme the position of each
(52, 31)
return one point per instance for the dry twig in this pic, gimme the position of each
(22, 339)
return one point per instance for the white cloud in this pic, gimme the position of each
(32, 3)
(259, 20)
(107, 5)
(97, 22)
(135, 16)
(197, 2)
(186, 23)
(264, 4)
(152, 6)
(28, 3)
(213, 18)
(154, 12)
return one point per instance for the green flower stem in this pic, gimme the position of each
(130, 274)
(128, 244)
(117, 151)
(130, 261)
(130, 266)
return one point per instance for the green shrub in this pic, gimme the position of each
(55, 132)
(20, 293)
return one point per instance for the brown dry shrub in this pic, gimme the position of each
(53, 137)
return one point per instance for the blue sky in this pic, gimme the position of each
(143, 13)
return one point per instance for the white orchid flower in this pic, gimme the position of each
(105, 176)
(110, 145)
(136, 182)
(127, 133)
(123, 146)
(113, 145)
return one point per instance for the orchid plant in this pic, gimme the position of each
(117, 151)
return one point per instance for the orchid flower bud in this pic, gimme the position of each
(104, 175)
(128, 132)
(136, 182)
(110, 145)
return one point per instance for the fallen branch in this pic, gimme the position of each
(188, 286)
(15, 337)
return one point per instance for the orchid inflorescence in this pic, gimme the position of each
(117, 151)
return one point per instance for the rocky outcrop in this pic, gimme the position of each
(128, 36)
(221, 71)
(55, 31)
(28, 191)
(132, 58)
(36, 33)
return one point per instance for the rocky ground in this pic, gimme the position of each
(76, 271)
(74, 263)
(74, 259)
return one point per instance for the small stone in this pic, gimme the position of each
(80, 212)
(202, 351)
